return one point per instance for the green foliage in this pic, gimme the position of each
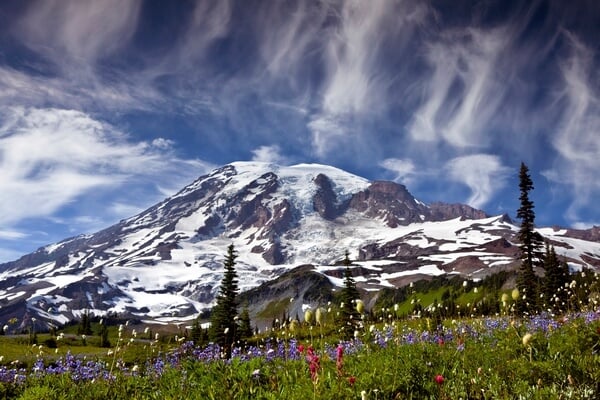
(349, 317)
(245, 325)
(85, 325)
(530, 244)
(556, 277)
(223, 321)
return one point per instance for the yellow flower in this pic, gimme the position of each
(515, 294)
(527, 339)
(308, 316)
(360, 306)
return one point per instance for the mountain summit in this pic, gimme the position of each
(165, 263)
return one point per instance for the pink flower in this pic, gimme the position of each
(351, 380)
(439, 379)
(339, 362)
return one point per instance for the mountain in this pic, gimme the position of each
(165, 263)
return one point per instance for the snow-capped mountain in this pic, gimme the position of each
(166, 263)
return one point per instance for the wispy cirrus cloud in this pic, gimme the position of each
(466, 88)
(576, 139)
(51, 157)
(403, 168)
(355, 83)
(484, 174)
(84, 31)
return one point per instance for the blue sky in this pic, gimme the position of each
(107, 107)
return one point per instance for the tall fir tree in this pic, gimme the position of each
(530, 243)
(223, 320)
(349, 316)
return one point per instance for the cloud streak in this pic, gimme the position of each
(577, 138)
(484, 174)
(50, 157)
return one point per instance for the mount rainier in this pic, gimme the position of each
(166, 263)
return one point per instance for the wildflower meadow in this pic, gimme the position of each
(501, 356)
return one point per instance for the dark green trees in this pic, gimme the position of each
(555, 278)
(530, 242)
(349, 316)
(223, 321)
(245, 325)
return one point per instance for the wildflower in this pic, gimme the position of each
(515, 294)
(527, 338)
(351, 380)
(504, 298)
(308, 316)
(339, 361)
(256, 374)
(320, 314)
(360, 306)
(226, 331)
(439, 379)
(293, 325)
(314, 363)
(363, 395)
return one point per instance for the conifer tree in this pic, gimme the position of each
(530, 242)
(223, 319)
(556, 275)
(349, 316)
(245, 328)
(85, 326)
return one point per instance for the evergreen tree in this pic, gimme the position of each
(223, 320)
(85, 325)
(530, 242)
(103, 333)
(556, 275)
(245, 328)
(349, 316)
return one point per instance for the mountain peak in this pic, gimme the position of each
(165, 262)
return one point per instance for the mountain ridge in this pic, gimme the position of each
(165, 262)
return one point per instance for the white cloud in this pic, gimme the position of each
(577, 138)
(465, 89)
(50, 157)
(270, 154)
(355, 83)
(404, 169)
(83, 30)
(12, 235)
(484, 174)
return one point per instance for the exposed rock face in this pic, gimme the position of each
(325, 200)
(443, 211)
(390, 202)
(167, 261)
(592, 234)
